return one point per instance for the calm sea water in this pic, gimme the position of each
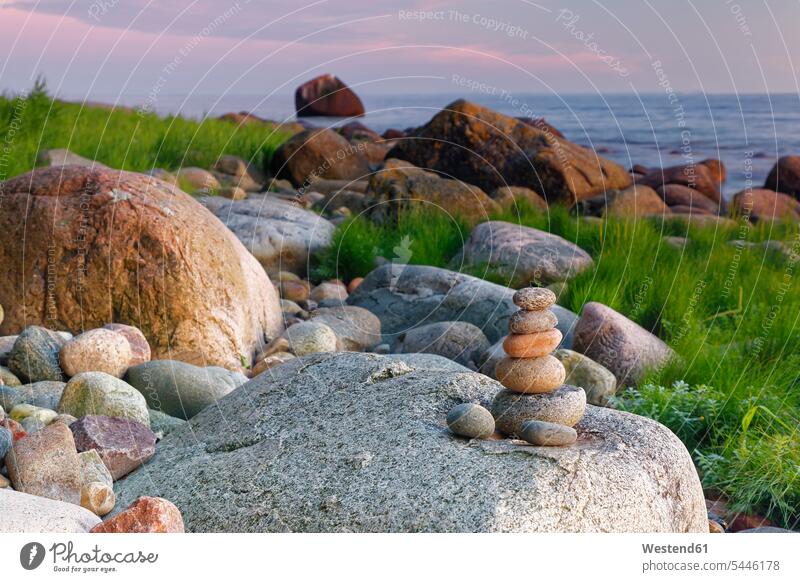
(748, 132)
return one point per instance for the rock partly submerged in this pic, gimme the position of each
(290, 459)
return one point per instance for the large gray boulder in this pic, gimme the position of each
(459, 341)
(280, 235)
(522, 255)
(356, 442)
(408, 296)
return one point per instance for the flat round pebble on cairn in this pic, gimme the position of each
(536, 405)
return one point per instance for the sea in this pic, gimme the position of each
(747, 132)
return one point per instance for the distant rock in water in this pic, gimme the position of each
(354, 442)
(327, 96)
(91, 247)
(785, 176)
(488, 149)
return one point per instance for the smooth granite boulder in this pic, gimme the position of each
(23, 513)
(357, 442)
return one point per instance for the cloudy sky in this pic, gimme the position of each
(102, 48)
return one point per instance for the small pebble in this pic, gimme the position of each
(548, 434)
(532, 345)
(532, 321)
(715, 527)
(98, 498)
(4, 483)
(534, 298)
(471, 421)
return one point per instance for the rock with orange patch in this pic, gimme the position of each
(530, 375)
(130, 249)
(145, 515)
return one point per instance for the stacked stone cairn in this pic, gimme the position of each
(536, 405)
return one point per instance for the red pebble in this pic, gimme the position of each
(17, 432)
(145, 515)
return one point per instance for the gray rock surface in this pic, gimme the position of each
(459, 341)
(408, 296)
(356, 328)
(179, 389)
(21, 513)
(309, 448)
(522, 255)
(34, 356)
(614, 341)
(280, 235)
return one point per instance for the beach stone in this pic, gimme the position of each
(511, 197)
(150, 255)
(565, 405)
(523, 321)
(24, 513)
(162, 424)
(10, 397)
(633, 201)
(271, 361)
(677, 195)
(23, 411)
(145, 515)
(6, 439)
(471, 421)
(4, 483)
(98, 498)
(521, 255)
(46, 464)
(44, 394)
(459, 341)
(534, 298)
(597, 381)
(280, 235)
(122, 444)
(785, 176)
(617, 343)
(98, 393)
(232, 193)
(530, 375)
(7, 378)
(294, 290)
(32, 425)
(34, 356)
(65, 419)
(97, 350)
(310, 337)
(197, 179)
(93, 469)
(480, 146)
(329, 96)
(548, 434)
(692, 175)
(319, 153)
(180, 389)
(140, 349)
(630, 474)
(356, 328)
(17, 432)
(6, 343)
(326, 291)
(532, 345)
(718, 171)
(400, 186)
(765, 205)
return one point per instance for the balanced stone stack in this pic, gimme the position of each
(536, 406)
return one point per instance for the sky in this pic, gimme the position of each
(107, 49)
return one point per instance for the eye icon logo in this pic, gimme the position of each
(31, 555)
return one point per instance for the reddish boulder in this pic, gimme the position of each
(320, 153)
(542, 124)
(768, 205)
(328, 96)
(355, 130)
(490, 150)
(677, 195)
(139, 346)
(695, 176)
(393, 133)
(145, 515)
(718, 172)
(123, 247)
(785, 176)
(123, 444)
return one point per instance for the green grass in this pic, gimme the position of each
(120, 138)
(731, 315)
